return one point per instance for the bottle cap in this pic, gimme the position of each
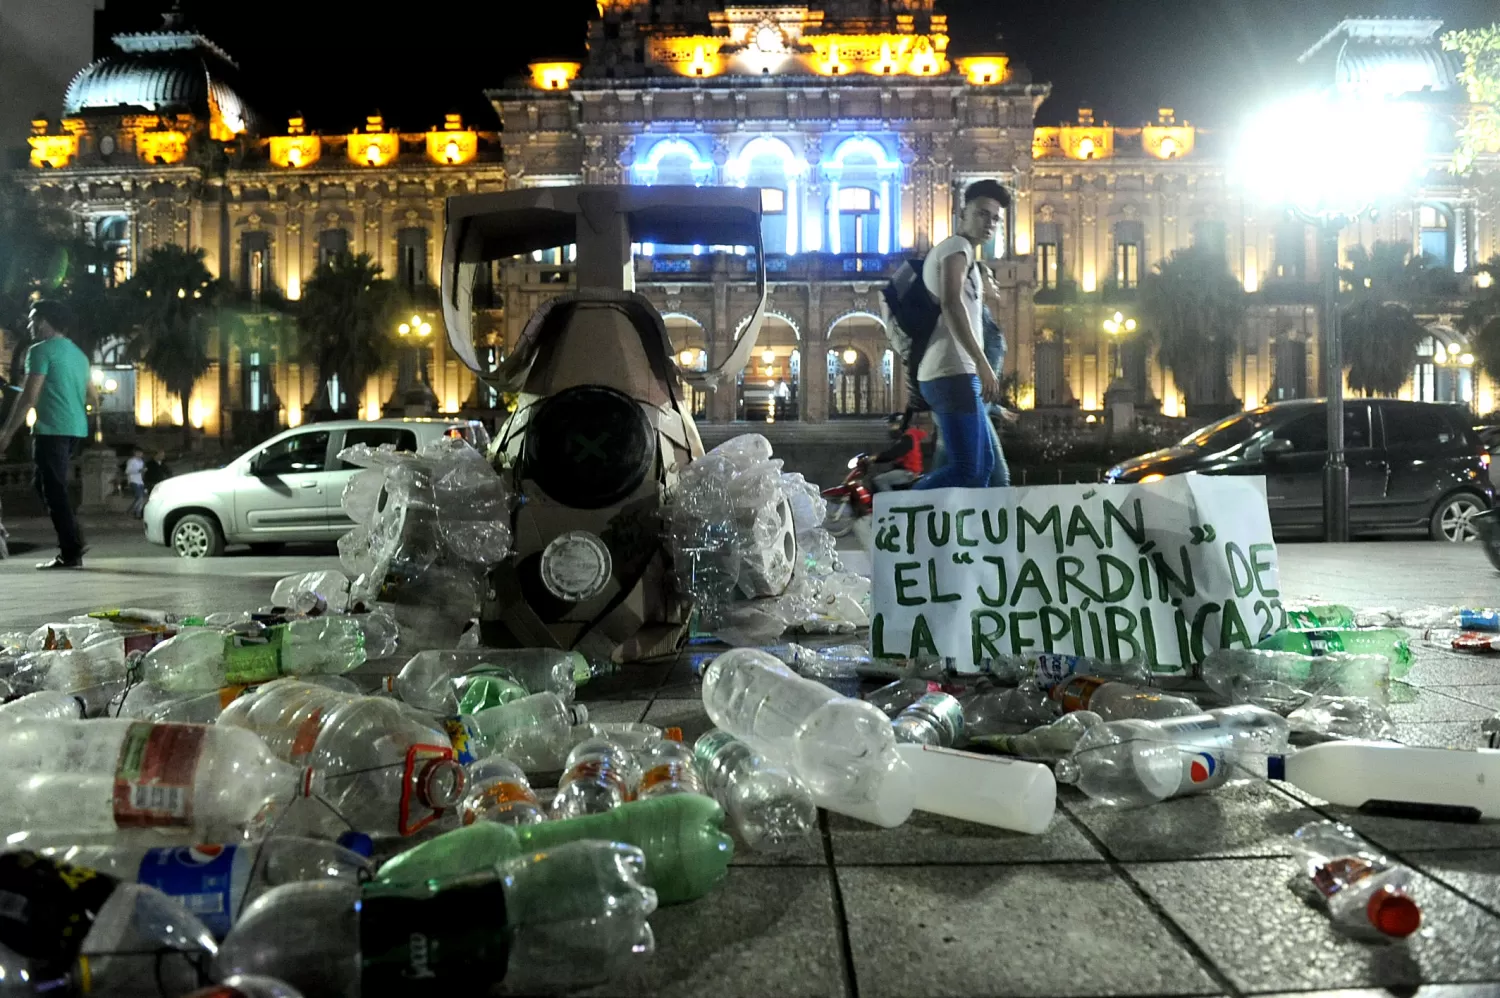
(357, 842)
(672, 734)
(1392, 911)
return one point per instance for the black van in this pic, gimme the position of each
(1413, 466)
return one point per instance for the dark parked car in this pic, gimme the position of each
(1413, 466)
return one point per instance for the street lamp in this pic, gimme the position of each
(102, 387)
(1330, 158)
(1116, 325)
(413, 388)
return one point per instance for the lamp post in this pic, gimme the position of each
(103, 387)
(414, 395)
(1119, 397)
(1330, 158)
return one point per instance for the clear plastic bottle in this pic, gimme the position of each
(1391, 644)
(427, 679)
(214, 882)
(145, 702)
(555, 918)
(313, 591)
(485, 691)
(1136, 762)
(200, 660)
(843, 749)
(381, 630)
(1321, 615)
(1470, 641)
(634, 736)
(1324, 718)
(533, 732)
(1121, 701)
(134, 781)
(1048, 670)
(771, 809)
(1280, 680)
(668, 769)
(288, 714)
(1363, 891)
(598, 775)
(1456, 618)
(1007, 711)
(331, 645)
(248, 986)
(497, 791)
(43, 705)
(95, 673)
(895, 697)
(935, 719)
(385, 771)
(1050, 743)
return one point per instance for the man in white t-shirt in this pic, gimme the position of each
(135, 477)
(955, 377)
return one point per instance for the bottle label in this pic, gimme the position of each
(1324, 642)
(1333, 875)
(708, 746)
(146, 639)
(154, 776)
(1054, 669)
(497, 795)
(1203, 769)
(229, 694)
(47, 909)
(667, 772)
(464, 736)
(411, 947)
(1479, 620)
(247, 662)
(306, 736)
(944, 709)
(1077, 693)
(201, 878)
(1469, 641)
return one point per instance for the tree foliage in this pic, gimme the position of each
(1380, 345)
(344, 323)
(1194, 309)
(1480, 76)
(174, 303)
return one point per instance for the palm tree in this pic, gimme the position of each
(1380, 345)
(174, 302)
(1194, 309)
(344, 327)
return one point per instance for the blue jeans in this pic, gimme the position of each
(962, 422)
(54, 457)
(999, 474)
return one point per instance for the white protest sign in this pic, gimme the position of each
(1165, 572)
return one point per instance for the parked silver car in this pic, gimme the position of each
(287, 489)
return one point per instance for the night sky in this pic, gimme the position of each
(336, 61)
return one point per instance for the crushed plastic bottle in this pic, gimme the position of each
(771, 809)
(598, 776)
(498, 791)
(1044, 744)
(1282, 680)
(559, 917)
(1390, 644)
(313, 592)
(1120, 701)
(895, 697)
(427, 681)
(1323, 718)
(1135, 762)
(95, 673)
(134, 781)
(1007, 711)
(843, 749)
(935, 719)
(1363, 892)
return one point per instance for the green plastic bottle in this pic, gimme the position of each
(1390, 644)
(1326, 615)
(484, 692)
(687, 851)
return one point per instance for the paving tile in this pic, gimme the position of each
(616, 711)
(1474, 873)
(1453, 669)
(1431, 705)
(1441, 734)
(1400, 834)
(1486, 695)
(1425, 991)
(933, 838)
(1250, 819)
(764, 931)
(1020, 930)
(632, 681)
(1264, 937)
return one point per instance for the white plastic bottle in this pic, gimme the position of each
(135, 781)
(843, 749)
(988, 789)
(1396, 777)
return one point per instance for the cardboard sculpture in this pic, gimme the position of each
(600, 430)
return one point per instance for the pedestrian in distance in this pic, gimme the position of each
(59, 387)
(955, 376)
(157, 471)
(135, 477)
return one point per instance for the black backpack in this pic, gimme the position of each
(914, 315)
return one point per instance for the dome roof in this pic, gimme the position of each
(1398, 69)
(170, 71)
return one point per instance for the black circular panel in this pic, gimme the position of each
(589, 446)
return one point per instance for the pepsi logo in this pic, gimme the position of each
(1202, 767)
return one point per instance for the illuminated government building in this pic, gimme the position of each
(861, 121)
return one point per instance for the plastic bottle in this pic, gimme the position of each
(484, 692)
(1322, 718)
(95, 673)
(1137, 762)
(385, 771)
(43, 705)
(895, 697)
(1120, 701)
(497, 791)
(248, 986)
(84, 932)
(381, 631)
(1469, 641)
(771, 809)
(990, 790)
(1405, 779)
(1050, 743)
(426, 681)
(843, 749)
(533, 732)
(202, 660)
(1280, 680)
(555, 918)
(1007, 711)
(1388, 643)
(668, 769)
(213, 882)
(633, 736)
(145, 702)
(598, 776)
(1453, 617)
(935, 719)
(1363, 891)
(135, 781)
(313, 591)
(1319, 616)
(1048, 670)
(287, 713)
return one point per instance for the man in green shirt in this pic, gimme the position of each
(60, 389)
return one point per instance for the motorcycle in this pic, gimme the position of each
(852, 501)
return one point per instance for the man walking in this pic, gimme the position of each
(59, 388)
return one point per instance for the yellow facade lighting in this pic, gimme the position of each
(55, 151)
(167, 146)
(984, 70)
(454, 144)
(374, 146)
(554, 75)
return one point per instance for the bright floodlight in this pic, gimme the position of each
(1331, 155)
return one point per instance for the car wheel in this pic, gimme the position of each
(268, 547)
(197, 536)
(1450, 521)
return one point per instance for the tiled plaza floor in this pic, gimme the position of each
(1186, 898)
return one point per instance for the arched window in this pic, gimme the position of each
(689, 350)
(861, 380)
(769, 384)
(672, 161)
(768, 162)
(861, 166)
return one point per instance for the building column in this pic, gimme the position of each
(814, 387)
